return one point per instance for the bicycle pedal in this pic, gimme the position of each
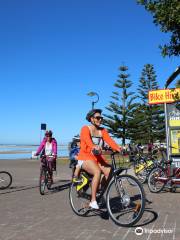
(77, 181)
(98, 195)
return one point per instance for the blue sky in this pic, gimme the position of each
(53, 52)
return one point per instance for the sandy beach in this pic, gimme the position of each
(14, 152)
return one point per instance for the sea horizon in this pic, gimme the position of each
(22, 151)
(27, 144)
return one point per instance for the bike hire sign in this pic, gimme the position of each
(163, 96)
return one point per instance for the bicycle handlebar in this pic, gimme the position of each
(115, 153)
(111, 150)
(50, 156)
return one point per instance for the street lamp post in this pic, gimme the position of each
(91, 94)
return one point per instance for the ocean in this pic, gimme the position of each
(22, 152)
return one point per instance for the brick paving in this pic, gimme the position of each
(26, 215)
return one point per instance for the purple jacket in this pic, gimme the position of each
(43, 144)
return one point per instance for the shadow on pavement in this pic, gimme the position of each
(148, 217)
(59, 188)
(152, 216)
(101, 213)
(17, 189)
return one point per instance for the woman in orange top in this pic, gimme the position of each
(90, 155)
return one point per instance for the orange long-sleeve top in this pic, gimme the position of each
(86, 145)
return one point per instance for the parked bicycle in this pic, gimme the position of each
(143, 164)
(125, 196)
(165, 175)
(5, 180)
(46, 171)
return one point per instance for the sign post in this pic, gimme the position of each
(169, 97)
(43, 128)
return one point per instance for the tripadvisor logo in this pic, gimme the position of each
(138, 231)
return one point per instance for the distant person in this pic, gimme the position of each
(131, 152)
(150, 147)
(48, 148)
(74, 151)
(140, 147)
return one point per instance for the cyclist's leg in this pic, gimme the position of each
(92, 168)
(54, 164)
(78, 168)
(105, 169)
(50, 169)
(76, 173)
(42, 160)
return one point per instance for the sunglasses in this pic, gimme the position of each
(99, 118)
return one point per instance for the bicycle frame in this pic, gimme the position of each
(113, 175)
(173, 178)
(115, 172)
(45, 163)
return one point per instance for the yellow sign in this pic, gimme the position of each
(175, 141)
(174, 123)
(164, 96)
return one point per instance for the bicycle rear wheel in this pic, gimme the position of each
(125, 200)
(5, 180)
(43, 180)
(156, 180)
(79, 198)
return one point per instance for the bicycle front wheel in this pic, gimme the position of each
(5, 180)
(43, 180)
(125, 200)
(79, 199)
(156, 180)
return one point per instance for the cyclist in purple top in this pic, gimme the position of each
(48, 149)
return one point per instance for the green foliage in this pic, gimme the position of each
(166, 14)
(119, 121)
(178, 84)
(131, 117)
(149, 119)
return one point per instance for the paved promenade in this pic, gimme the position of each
(26, 215)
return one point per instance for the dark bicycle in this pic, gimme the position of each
(125, 196)
(5, 180)
(164, 175)
(46, 172)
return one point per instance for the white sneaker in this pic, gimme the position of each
(94, 205)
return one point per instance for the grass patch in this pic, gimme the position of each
(121, 161)
(63, 160)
